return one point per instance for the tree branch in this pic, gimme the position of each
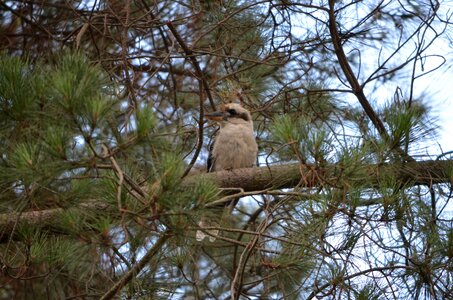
(427, 173)
(288, 176)
(41, 218)
(202, 83)
(356, 87)
(189, 53)
(137, 268)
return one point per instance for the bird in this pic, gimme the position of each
(233, 147)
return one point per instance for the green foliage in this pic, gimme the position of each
(288, 130)
(300, 140)
(168, 193)
(26, 156)
(447, 245)
(56, 118)
(171, 169)
(74, 222)
(408, 122)
(57, 142)
(75, 83)
(368, 292)
(205, 191)
(145, 121)
(39, 104)
(292, 266)
(18, 85)
(93, 148)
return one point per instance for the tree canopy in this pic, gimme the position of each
(103, 145)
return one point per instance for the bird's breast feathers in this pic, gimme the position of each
(235, 147)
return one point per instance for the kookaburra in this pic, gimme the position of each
(234, 147)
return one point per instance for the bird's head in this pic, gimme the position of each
(232, 113)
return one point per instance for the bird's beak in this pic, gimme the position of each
(217, 116)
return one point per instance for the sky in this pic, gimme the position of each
(434, 88)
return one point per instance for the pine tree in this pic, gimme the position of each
(103, 143)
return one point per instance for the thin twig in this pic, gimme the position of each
(236, 284)
(203, 84)
(137, 268)
(120, 174)
(194, 61)
(200, 136)
(356, 87)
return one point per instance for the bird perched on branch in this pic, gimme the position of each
(234, 147)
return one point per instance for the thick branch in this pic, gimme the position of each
(277, 177)
(42, 218)
(288, 176)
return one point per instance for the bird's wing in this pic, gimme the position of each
(210, 164)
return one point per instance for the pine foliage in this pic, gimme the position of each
(103, 144)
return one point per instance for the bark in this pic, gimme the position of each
(275, 177)
(291, 175)
(45, 219)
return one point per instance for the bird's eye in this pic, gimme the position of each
(232, 111)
